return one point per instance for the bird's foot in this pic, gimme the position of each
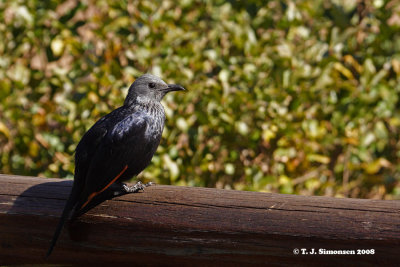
(139, 186)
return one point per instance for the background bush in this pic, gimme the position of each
(284, 96)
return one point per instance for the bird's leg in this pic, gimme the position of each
(137, 187)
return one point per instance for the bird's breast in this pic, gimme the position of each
(155, 124)
(154, 129)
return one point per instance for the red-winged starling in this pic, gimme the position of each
(117, 147)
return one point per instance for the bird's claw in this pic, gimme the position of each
(139, 186)
(149, 184)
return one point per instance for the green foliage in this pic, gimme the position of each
(284, 96)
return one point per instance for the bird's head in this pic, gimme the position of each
(149, 88)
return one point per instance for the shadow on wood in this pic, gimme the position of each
(169, 225)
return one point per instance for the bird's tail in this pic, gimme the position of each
(67, 210)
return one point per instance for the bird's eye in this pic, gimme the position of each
(152, 85)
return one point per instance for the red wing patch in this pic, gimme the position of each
(92, 195)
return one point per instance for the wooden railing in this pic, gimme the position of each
(174, 226)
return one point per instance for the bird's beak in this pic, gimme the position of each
(174, 87)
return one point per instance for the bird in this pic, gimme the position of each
(116, 148)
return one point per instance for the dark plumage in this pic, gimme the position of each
(117, 147)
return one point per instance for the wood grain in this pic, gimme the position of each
(171, 226)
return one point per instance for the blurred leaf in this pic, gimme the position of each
(276, 90)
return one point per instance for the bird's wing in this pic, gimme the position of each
(87, 148)
(129, 128)
(84, 151)
(114, 152)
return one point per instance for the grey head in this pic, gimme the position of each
(149, 88)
